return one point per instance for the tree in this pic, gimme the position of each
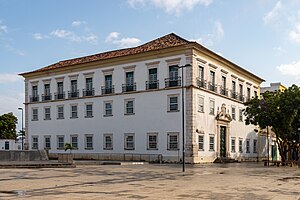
(68, 146)
(279, 110)
(8, 126)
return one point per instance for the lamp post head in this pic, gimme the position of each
(20, 108)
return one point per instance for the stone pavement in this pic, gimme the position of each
(208, 181)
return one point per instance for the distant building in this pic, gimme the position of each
(10, 144)
(273, 88)
(126, 104)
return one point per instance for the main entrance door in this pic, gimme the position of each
(223, 141)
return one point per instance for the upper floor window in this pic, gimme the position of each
(201, 73)
(200, 103)
(241, 89)
(89, 90)
(108, 108)
(35, 114)
(241, 115)
(233, 89)
(212, 107)
(173, 104)
(34, 91)
(255, 93)
(129, 84)
(47, 113)
(74, 91)
(223, 86)
(152, 82)
(211, 85)
(60, 112)
(60, 91)
(89, 110)
(248, 93)
(108, 86)
(129, 106)
(233, 113)
(74, 111)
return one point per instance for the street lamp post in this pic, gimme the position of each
(22, 132)
(268, 146)
(182, 105)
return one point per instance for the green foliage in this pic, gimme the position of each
(68, 146)
(8, 126)
(279, 110)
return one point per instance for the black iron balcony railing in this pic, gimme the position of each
(107, 90)
(224, 91)
(88, 93)
(212, 87)
(201, 83)
(150, 85)
(73, 94)
(173, 82)
(234, 95)
(47, 97)
(241, 98)
(59, 95)
(34, 98)
(128, 87)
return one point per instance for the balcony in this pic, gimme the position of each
(34, 98)
(212, 87)
(73, 94)
(59, 96)
(107, 90)
(241, 97)
(128, 87)
(201, 83)
(88, 93)
(173, 82)
(150, 85)
(47, 97)
(224, 91)
(234, 95)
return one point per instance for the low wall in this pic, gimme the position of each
(32, 155)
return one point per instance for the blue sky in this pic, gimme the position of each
(263, 36)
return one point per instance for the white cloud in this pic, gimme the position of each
(170, 6)
(274, 13)
(294, 35)
(78, 23)
(292, 69)
(14, 50)
(3, 28)
(279, 50)
(113, 38)
(209, 39)
(39, 36)
(10, 78)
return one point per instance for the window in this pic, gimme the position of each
(241, 145)
(200, 103)
(74, 92)
(223, 89)
(233, 113)
(153, 82)
(173, 103)
(35, 91)
(211, 143)
(212, 81)
(233, 90)
(212, 107)
(35, 142)
(74, 112)
(173, 72)
(255, 94)
(89, 110)
(108, 87)
(89, 142)
(129, 85)
(201, 73)
(129, 141)
(60, 112)
(60, 141)
(35, 116)
(247, 146)
(233, 145)
(60, 90)
(47, 142)
(254, 146)
(89, 84)
(201, 142)
(47, 94)
(241, 89)
(108, 142)
(129, 107)
(248, 93)
(108, 108)
(47, 113)
(173, 141)
(152, 141)
(74, 141)
(241, 115)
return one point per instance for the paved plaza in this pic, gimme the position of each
(208, 181)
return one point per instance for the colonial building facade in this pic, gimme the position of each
(127, 104)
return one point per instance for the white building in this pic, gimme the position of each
(127, 104)
(10, 144)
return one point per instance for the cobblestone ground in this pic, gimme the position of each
(210, 181)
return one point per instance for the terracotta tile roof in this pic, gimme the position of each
(170, 40)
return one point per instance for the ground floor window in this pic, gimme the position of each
(152, 141)
(60, 141)
(211, 143)
(241, 145)
(47, 142)
(108, 142)
(233, 145)
(129, 141)
(74, 141)
(247, 146)
(201, 142)
(89, 142)
(173, 141)
(254, 146)
(35, 142)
